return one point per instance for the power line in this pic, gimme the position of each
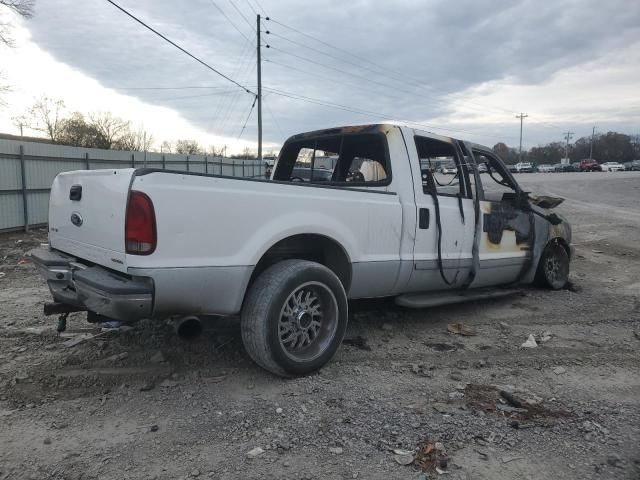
(255, 12)
(186, 87)
(325, 77)
(260, 6)
(370, 113)
(381, 70)
(242, 15)
(247, 120)
(361, 77)
(268, 108)
(180, 48)
(229, 20)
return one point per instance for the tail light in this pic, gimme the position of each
(140, 225)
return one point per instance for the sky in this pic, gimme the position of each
(463, 68)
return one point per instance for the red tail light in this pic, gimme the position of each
(140, 225)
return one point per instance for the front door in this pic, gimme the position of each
(442, 253)
(506, 230)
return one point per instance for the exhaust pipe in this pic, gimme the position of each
(187, 327)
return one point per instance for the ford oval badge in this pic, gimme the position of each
(76, 219)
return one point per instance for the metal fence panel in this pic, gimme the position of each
(10, 210)
(39, 163)
(10, 174)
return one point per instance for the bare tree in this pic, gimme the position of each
(137, 141)
(110, 127)
(24, 8)
(166, 147)
(46, 116)
(188, 147)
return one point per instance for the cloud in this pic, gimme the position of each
(467, 65)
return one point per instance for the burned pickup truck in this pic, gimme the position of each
(349, 213)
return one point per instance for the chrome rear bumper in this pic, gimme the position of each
(94, 288)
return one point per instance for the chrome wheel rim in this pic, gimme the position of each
(308, 321)
(555, 269)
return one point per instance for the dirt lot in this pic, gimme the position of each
(145, 404)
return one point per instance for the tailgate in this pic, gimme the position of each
(87, 214)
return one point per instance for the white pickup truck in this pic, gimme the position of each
(287, 253)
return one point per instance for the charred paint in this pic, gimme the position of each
(505, 217)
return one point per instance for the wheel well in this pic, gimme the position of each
(313, 247)
(563, 243)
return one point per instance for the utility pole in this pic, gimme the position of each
(593, 134)
(522, 116)
(259, 89)
(567, 136)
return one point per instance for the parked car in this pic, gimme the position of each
(449, 169)
(301, 174)
(482, 168)
(545, 168)
(524, 167)
(589, 165)
(632, 165)
(575, 166)
(612, 167)
(563, 167)
(287, 256)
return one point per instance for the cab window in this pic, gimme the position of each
(442, 171)
(346, 160)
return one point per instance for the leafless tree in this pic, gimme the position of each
(24, 8)
(138, 141)
(46, 116)
(166, 147)
(188, 147)
(110, 127)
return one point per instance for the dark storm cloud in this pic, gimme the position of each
(443, 46)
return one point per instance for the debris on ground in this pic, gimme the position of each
(489, 398)
(545, 336)
(336, 450)
(461, 329)
(530, 343)
(559, 370)
(431, 457)
(403, 457)
(359, 342)
(255, 452)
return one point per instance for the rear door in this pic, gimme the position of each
(87, 215)
(449, 195)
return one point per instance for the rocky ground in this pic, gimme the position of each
(404, 397)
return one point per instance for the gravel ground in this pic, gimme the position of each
(143, 404)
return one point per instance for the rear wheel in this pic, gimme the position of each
(553, 268)
(294, 317)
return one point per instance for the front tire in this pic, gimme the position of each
(294, 317)
(553, 267)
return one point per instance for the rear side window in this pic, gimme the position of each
(347, 160)
(441, 170)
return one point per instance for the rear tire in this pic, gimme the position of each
(294, 317)
(553, 268)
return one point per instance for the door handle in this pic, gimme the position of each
(423, 218)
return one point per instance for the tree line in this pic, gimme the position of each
(104, 130)
(607, 147)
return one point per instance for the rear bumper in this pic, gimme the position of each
(94, 288)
